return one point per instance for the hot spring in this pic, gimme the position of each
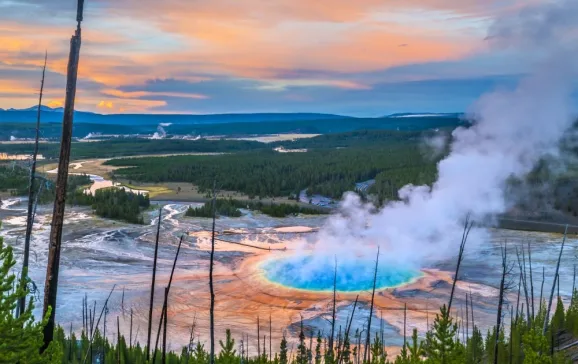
(315, 274)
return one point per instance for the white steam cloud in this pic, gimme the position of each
(160, 133)
(513, 129)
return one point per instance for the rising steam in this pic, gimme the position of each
(511, 131)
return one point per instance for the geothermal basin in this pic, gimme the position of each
(261, 271)
(320, 274)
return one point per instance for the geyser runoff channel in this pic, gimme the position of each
(305, 272)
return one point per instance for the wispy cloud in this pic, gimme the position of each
(226, 50)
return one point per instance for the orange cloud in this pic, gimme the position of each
(140, 94)
(105, 105)
(127, 42)
(55, 103)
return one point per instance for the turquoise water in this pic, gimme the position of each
(318, 274)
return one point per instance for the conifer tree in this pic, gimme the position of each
(376, 349)
(228, 353)
(20, 337)
(416, 349)
(571, 322)
(302, 348)
(442, 346)
(283, 351)
(318, 349)
(475, 347)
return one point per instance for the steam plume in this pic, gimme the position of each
(513, 129)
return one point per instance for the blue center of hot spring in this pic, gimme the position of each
(318, 275)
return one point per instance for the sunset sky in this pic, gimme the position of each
(354, 57)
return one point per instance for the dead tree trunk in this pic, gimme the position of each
(166, 305)
(259, 340)
(165, 302)
(29, 211)
(542, 288)
(531, 281)
(94, 328)
(270, 343)
(151, 304)
(525, 280)
(500, 303)
(348, 329)
(130, 335)
(118, 339)
(211, 288)
(573, 283)
(332, 337)
(467, 227)
(554, 285)
(53, 265)
(467, 321)
(368, 339)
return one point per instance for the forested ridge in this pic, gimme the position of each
(230, 207)
(315, 125)
(136, 146)
(113, 203)
(13, 178)
(118, 204)
(329, 172)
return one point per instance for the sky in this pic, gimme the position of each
(360, 58)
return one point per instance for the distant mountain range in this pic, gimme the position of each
(51, 115)
(19, 124)
(43, 108)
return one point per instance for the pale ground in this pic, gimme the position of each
(272, 138)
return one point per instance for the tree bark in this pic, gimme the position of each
(554, 285)
(500, 303)
(30, 210)
(212, 308)
(151, 303)
(55, 241)
(368, 340)
(467, 227)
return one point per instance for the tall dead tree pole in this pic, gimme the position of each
(53, 265)
(500, 303)
(467, 227)
(151, 303)
(368, 339)
(332, 337)
(554, 284)
(212, 308)
(165, 303)
(29, 218)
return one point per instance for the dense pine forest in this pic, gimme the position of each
(223, 207)
(115, 203)
(12, 178)
(135, 146)
(329, 172)
(230, 207)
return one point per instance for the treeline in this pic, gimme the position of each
(317, 125)
(230, 207)
(132, 147)
(16, 179)
(13, 177)
(329, 172)
(135, 146)
(116, 203)
(223, 207)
